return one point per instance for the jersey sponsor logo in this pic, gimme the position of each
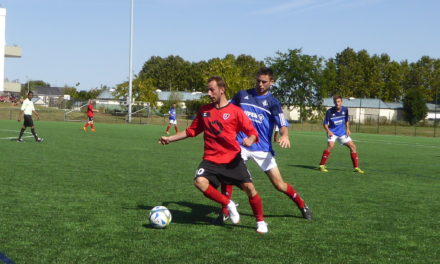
(264, 103)
(226, 116)
(206, 114)
(246, 97)
(216, 127)
(254, 116)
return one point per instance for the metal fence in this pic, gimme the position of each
(372, 125)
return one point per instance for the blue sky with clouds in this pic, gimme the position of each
(87, 41)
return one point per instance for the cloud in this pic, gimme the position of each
(286, 7)
(299, 6)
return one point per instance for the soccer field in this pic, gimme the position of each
(84, 197)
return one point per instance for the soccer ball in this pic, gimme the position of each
(160, 217)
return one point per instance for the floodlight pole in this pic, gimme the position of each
(130, 82)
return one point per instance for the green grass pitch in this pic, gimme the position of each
(85, 197)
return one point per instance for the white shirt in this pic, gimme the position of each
(27, 107)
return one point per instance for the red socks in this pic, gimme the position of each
(176, 128)
(257, 207)
(355, 159)
(324, 158)
(86, 125)
(216, 196)
(168, 129)
(294, 196)
(226, 191)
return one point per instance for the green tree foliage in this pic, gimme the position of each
(31, 84)
(298, 79)
(170, 73)
(414, 106)
(143, 90)
(238, 72)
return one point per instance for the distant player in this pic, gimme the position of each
(220, 122)
(336, 124)
(90, 116)
(27, 108)
(172, 119)
(265, 112)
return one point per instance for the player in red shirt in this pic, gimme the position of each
(222, 162)
(90, 114)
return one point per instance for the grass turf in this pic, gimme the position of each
(84, 198)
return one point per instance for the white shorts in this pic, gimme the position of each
(264, 159)
(341, 139)
(173, 122)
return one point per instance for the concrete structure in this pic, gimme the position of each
(361, 110)
(9, 52)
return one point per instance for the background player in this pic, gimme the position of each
(90, 115)
(220, 122)
(336, 124)
(27, 108)
(265, 112)
(172, 119)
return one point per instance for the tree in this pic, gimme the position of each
(238, 73)
(170, 73)
(349, 74)
(298, 79)
(31, 84)
(414, 106)
(143, 90)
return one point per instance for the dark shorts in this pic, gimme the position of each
(28, 122)
(90, 118)
(234, 173)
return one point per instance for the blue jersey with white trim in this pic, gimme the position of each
(265, 112)
(172, 113)
(336, 120)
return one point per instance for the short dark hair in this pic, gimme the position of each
(337, 97)
(219, 80)
(265, 71)
(30, 92)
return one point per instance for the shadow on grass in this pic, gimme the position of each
(304, 166)
(197, 216)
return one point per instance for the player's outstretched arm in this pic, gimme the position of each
(20, 114)
(167, 140)
(247, 142)
(347, 128)
(36, 113)
(284, 139)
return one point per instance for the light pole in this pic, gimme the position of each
(28, 88)
(130, 67)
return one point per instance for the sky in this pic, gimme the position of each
(66, 42)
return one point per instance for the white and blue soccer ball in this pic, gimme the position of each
(160, 217)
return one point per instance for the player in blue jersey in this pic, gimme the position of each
(265, 112)
(172, 119)
(337, 126)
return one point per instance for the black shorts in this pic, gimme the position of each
(28, 122)
(234, 173)
(90, 118)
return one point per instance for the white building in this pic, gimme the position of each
(8, 52)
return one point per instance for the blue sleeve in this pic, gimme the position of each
(327, 117)
(347, 118)
(278, 114)
(236, 99)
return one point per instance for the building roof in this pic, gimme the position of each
(184, 96)
(44, 90)
(363, 103)
(106, 94)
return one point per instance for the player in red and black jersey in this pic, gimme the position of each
(90, 115)
(222, 162)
